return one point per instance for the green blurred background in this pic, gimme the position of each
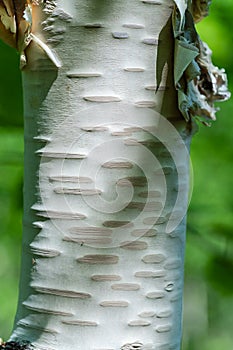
(208, 306)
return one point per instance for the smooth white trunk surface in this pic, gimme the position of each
(102, 256)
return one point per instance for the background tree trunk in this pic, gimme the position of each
(106, 180)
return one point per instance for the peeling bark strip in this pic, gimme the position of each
(104, 278)
(144, 233)
(45, 253)
(115, 224)
(47, 311)
(139, 323)
(133, 26)
(36, 327)
(145, 104)
(139, 181)
(155, 88)
(150, 41)
(102, 99)
(77, 191)
(150, 274)
(16, 27)
(158, 294)
(91, 240)
(114, 303)
(120, 133)
(120, 35)
(198, 82)
(153, 220)
(62, 293)
(134, 245)
(117, 165)
(152, 2)
(81, 323)
(99, 259)
(73, 179)
(91, 231)
(147, 314)
(125, 286)
(153, 258)
(94, 128)
(61, 155)
(134, 69)
(52, 214)
(148, 207)
(76, 75)
(164, 313)
(163, 328)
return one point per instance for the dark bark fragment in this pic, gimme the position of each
(13, 345)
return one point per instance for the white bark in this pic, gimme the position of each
(102, 263)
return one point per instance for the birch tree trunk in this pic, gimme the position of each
(106, 179)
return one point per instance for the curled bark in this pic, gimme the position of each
(199, 83)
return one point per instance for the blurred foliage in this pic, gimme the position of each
(11, 176)
(11, 180)
(208, 307)
(11, 109)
